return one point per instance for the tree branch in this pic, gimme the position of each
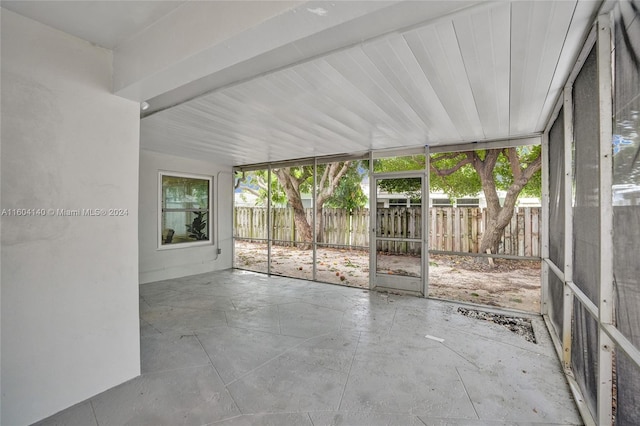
(514, 162)
(446, 156)
(325, 174)
(447, 172)
(251, 191)
(532, 168)
(485, 172)
(306, 174)
(335, 176)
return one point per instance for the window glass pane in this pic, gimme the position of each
(184, 227)
(185, 210)
(185, 193)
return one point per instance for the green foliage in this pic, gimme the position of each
(198, 226)
(396, 164)
(504, 177)
(349, 195)
(463, 182)
(255, 182)
(409, 186)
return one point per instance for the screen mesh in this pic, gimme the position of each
(586, 214)
(556, 218)
(626, 204)
(584, 354)
(586, 226)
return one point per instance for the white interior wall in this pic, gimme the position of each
(0, 244)
(70, 326)
(176, 262)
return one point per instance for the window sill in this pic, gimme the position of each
(185, 245)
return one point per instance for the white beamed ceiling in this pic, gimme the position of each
(486, 73)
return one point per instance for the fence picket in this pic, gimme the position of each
(458, 229)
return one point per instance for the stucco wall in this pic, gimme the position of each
(158, 264)
(70, 326)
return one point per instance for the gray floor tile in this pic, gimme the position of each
(390, 387)
(263, 318)
(167, 319)
(189, 396)
(78, 415)
(293, 352)
(305, 320)
(406, 376)
(234, 352)
(329, 299)
(160, 352)
(345, 418)
(188, 299)
(280, 419)
(147, 329)
(143, 306)
(252, 300)
(286, 385)
(371, 319)
(157, 287)
(430, 421)
(334, 351)
(521, 396)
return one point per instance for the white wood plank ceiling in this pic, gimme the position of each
(486, 73)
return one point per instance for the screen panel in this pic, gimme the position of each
(626, 204)
(556, 219)
(586, 226)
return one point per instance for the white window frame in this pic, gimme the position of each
(159, 228)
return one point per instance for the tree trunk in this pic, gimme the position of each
(303, 230)
(498, 217)
(327, 184)
(319, 223)
(291, 189)
(291, 185)
(493, 232)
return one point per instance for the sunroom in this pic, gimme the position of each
(273, 97)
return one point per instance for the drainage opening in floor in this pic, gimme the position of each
(518, 325)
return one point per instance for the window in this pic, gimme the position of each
(440, 202)
(184, 209)
(395, 202)
(468, 202)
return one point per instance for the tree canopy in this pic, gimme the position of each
(454, 174)
(347, 194)
(515, 170)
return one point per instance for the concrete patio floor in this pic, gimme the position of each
(239, 348)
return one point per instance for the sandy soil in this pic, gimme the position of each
(508, 283)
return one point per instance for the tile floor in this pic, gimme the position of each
(238, 348)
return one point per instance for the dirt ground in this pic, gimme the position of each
(508, 283)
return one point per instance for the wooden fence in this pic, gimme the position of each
(450, 229)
